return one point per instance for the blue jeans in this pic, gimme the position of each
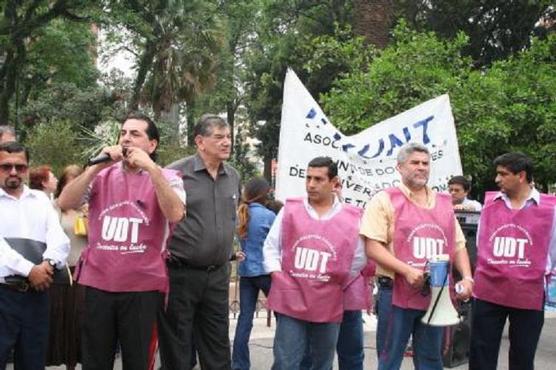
(349, 346)
(427, 341)
(383, 308)
(292, 336)
(249, 288)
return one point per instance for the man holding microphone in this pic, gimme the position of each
(131, 203)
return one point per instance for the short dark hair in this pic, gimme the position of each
(38, 175)
(206, 123)
(152, 130)
(325, 162)
(14, 147)
(516, 162)
(460, 180)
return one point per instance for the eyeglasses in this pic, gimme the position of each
(19, 168)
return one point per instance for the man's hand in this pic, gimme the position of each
(41, 275)
(138, 158)
(240, 256)
(464, 293)
(415, 277)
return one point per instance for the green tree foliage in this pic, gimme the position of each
(284, 31)
(496, 28)
(413, 68)
(510, 107)
(65, 101)
(240, 159)
(507, 107)
(23, 25)
(176, 43)
(55, 143)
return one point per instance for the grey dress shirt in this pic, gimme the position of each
(204, 237)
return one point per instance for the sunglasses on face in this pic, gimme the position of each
(19, 168)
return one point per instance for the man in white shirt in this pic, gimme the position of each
(459, 188)
(310, 251)
(28, 221)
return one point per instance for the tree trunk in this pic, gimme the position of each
(14, 59)
(190, 117)
(267, 169)
(145, 64)
(231, 108)
(372, 19)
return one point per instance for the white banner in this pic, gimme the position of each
(366, 161)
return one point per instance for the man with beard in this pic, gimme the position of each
(404, 227)
(27, 222)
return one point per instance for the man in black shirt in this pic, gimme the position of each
(200, 249)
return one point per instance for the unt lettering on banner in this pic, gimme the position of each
(367, 160)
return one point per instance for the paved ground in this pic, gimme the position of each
(261, 346)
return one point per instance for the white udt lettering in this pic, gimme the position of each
(427, 247)
(119, 229)
(505, 246)
(311, 260)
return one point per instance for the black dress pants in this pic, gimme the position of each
(23, 328)
(125, 317)
(197, 307)
(487, 324)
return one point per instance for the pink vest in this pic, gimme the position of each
(512, 252)
(357, 294)
(419, 235)
(127, 234)
(316, 260)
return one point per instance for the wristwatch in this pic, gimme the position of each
(51, 262)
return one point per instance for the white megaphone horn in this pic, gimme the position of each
(441, 311)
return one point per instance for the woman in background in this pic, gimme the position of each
(66, 302)
(254, 222)
(42, 178)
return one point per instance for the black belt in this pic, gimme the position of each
(22, 286)
(180, 263)
(385, 282)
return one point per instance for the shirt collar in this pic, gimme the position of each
(407, 191)
(334, 207)
(26, 193)
(534, 196)
(199, 165)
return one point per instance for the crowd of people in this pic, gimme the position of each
(148, 251)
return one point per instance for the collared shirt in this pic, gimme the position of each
(471, 205)
(204, 237)
(534, 198)
(378, 222)
(272, 249)
(31, 216)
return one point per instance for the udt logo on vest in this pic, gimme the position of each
(311, 260)
(505, 246)
(121, 229)
(427, 248)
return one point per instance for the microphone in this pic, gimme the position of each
(103, 157)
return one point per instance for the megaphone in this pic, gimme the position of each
(441, 311)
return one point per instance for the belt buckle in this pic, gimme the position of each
(211, 268)
(22, 287)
